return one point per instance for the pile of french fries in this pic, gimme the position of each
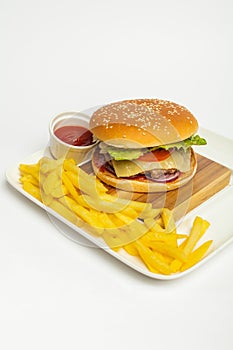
(137, 227)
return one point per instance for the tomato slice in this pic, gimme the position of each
(155, 156)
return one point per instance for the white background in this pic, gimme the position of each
(69, 55)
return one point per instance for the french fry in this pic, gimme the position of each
(160, 233)
(131, 249)
(196, 255)
(164, 257)
(29, 178)
(114, 235)
(111, 207)
(176, 265)
(168, 220)
(30, 169)
(82, 184)
(51, 182)
(80, 211)
(116, 220)
(115, 238)
(168, 238)
(32, 190)
(124, 236)
(130, 212)
(198, 229)
(145, 232)
(105, 220)
(94, 231)
(127, 220)
(152, 260)
(152, 268)
(46, 198)
(69, 186)
(134, 228)
(47, 165)
(100, 205)
(97, 197)
(85, 215)
(85, 182)
(149, 213)
(154, 225)
(169, 250)
(60, 191)
(60, 208)
(140, 207)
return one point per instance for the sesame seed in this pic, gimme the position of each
(144, 114)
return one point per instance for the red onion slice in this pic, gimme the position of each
(166, 177)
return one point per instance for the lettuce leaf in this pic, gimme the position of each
(134, 153)
(125, 154)
(194, 140)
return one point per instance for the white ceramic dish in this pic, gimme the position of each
(217, 210)
(60, 149)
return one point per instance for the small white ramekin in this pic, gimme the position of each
(60, 149)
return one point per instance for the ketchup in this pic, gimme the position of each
(74, 135)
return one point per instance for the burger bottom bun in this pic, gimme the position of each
(145, 186)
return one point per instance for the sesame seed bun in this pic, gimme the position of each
(142, 123)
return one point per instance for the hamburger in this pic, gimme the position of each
(146, 145)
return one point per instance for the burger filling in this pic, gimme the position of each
(160, 164)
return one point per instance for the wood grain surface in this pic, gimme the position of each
(210, 178)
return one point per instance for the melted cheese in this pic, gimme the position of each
(178, 160)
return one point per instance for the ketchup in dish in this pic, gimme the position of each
(74, 135)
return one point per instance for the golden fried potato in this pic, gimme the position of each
(137, 227)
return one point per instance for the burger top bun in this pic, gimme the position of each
(142, 123)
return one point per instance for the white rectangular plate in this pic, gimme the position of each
(217, 210)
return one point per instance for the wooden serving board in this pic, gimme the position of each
(210, 178)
